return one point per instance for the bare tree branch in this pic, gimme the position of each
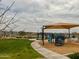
(7, 9)
(8, 22)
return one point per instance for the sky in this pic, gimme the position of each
(32, 14)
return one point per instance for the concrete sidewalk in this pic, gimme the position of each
(47, 53)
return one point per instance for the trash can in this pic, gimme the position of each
(59, 40)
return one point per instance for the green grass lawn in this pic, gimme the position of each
(74, 56)
(17, 49)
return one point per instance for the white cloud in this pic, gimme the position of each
(35, 13)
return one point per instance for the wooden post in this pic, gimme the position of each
(37, 36)
(69, 32)
(43, 35)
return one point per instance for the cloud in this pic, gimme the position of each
(35, 13)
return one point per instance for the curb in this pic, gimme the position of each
(48, 54)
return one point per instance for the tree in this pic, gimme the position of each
(22, 33)
(7, 23)
(4, 23)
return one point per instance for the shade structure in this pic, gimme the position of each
(61, 26)
(58, 26)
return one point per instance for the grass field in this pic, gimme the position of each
(17, 49)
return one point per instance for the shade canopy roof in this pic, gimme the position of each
(61, 26)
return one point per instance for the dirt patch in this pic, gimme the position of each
(67, 48)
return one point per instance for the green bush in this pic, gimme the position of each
(74, 56)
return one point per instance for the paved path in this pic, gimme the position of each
(47, 53)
